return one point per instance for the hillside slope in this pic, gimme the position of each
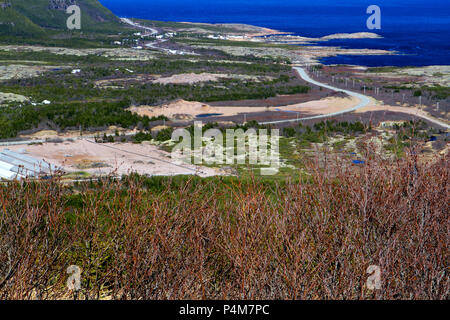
(14, 23)
(35, 17)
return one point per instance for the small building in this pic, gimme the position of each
(17, 166)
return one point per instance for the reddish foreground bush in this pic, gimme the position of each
(216, 239)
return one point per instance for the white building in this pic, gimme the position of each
(17, 166)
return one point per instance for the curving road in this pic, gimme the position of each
(137, 25)
(364, 100)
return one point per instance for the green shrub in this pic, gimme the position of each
(165, 134)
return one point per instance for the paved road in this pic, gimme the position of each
(364, 100)
(134, 24)
(440, 123)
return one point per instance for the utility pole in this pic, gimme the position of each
(403, 98)
(297, 116)
(437, 106)
(364, 89)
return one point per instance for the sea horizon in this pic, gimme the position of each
(418, 30)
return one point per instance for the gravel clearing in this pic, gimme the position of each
(118, 159)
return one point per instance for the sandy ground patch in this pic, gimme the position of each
(416, 111)
(113, 158)
(413, 77)
(190, 78)
(75, 134)
(120, 82)
(180, 109)
(42, 134)
(183, 78)
(323, 106)
(113, 53)
(188, 110)
(21, 71)
(12, 97)
(431, 74)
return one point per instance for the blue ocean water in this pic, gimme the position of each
(418, 29)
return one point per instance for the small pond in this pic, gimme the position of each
(207, 115)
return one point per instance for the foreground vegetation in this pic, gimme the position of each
(223, 238)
